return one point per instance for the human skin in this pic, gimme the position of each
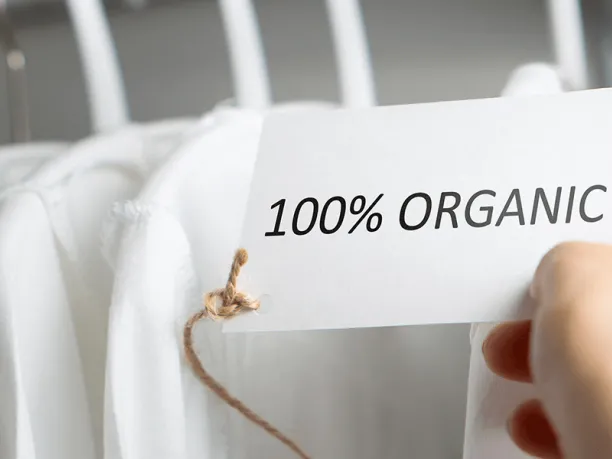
(566, 352)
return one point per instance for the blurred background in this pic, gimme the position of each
(173, 53)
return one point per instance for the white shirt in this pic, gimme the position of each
(352, 393)
(55, 286)
(155, 408)
(16, 163)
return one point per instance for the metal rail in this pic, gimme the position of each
(17, 89)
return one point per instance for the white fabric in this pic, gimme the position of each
(16, 163)
(154, 407)
(353, 393)
(55, 286)
(491, 399)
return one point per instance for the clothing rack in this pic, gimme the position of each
(108, 106)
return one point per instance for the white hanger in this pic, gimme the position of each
(107, 99)
(251, 79)
(249, 70)
(352, 53)
(533, 79)
(569, 42)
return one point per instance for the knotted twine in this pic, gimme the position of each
(222, 304)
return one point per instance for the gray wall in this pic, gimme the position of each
(175, 62)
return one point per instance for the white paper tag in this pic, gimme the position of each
(434, 213)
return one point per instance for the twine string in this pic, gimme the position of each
(223, 304)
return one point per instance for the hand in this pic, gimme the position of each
(566, 352)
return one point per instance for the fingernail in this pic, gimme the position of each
(484, 344)
(532, 291)
(486, 341)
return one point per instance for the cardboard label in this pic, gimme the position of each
(432, 213)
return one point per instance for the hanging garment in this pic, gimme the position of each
(492, 399)
(155, 408)
(55, 286)
(350, 393)
(16, 163)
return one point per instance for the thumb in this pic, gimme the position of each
(571, 346)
